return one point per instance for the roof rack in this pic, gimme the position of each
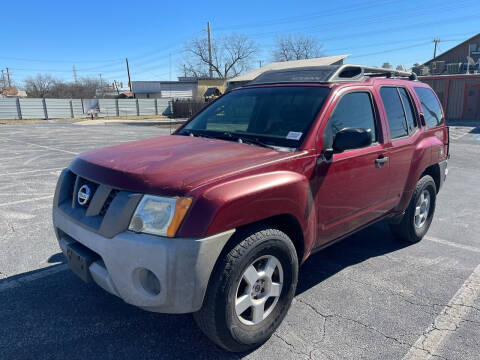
(328, 74)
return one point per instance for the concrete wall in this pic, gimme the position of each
(36, 108)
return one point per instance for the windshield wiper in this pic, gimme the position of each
(247, 139)
(191, 133)
(227, 135)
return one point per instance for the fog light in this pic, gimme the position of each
(137, 223)
(147, 281)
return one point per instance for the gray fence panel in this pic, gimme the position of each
(8, 109)
(32, 108)
(77, 108)
(163, 106)
(146, 106)
(127, 107)
(108, 107)
(58, 108)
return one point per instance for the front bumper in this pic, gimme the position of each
(182, 266)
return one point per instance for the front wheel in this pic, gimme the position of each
(250, 290)
(419, 214)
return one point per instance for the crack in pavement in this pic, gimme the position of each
(368, 327)
(292, 346)
(328, 316)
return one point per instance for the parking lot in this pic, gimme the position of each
(367, 297)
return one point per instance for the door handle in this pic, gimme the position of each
(381, 161)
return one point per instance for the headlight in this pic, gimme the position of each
(159, 215)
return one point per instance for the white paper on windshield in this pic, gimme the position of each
(294, 135)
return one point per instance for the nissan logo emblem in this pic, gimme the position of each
(83, 195)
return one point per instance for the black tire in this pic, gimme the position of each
(217, 317)
(406, 229)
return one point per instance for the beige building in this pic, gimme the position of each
(204, 84)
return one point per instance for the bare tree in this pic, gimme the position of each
(50, 87)
(231, 55)
(296, 47)
(40, 85)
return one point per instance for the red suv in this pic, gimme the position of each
(217, 218)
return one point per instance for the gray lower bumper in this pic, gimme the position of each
(182, 266)
(443, 172)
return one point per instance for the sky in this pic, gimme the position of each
(50, 37)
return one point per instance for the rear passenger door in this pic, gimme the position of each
(403, 125)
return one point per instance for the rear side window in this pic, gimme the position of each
(395, 114)
(354, 110)
(409, 113)
(431, 108)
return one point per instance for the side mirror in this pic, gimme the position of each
(351, 138)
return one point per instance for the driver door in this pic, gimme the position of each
(352, 187)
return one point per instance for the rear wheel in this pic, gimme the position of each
(419, 214)
(250, 290)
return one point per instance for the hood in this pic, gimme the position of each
(170, 165)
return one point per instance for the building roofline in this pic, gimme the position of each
(446, 52)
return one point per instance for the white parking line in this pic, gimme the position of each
(42, 146)
(449, 243)
(10, 284)
(26, 200)
(30, 171)
(447, 321)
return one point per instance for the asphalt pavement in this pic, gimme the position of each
(367, 297)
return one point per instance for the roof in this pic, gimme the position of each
(453, 48)
(328, 60)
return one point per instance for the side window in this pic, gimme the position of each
(354, 110)
(430, 106)
(409, 113)
(395, 114)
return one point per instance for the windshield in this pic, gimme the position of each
(269, 116)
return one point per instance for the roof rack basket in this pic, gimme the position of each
(359, 72)
(327, 74)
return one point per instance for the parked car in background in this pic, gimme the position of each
(217, 218)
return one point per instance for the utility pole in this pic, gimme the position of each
(101, 84)
(74, 74)
(116, 86)
(260, 61)
(436, 41)
(8, 77)
(170, 65)
(128, 73)
(3, 79)
(210, 70)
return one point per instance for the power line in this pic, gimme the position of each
(57, 61)
(305, 17)
(344, 25)
(392, 50)
(376, 44)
